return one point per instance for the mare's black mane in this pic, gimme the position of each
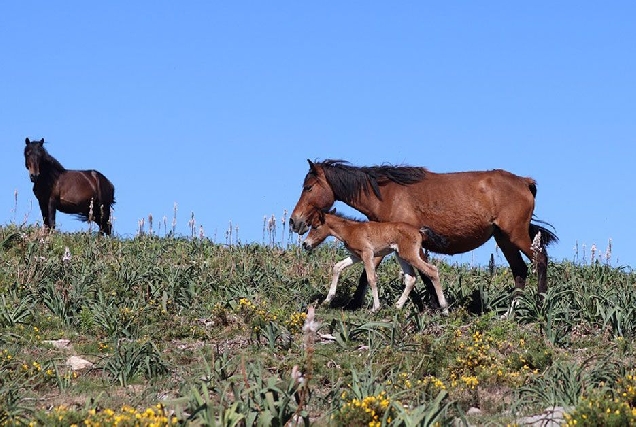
(349, 182)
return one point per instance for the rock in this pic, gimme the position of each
(473, 411)
(551, 417)
(77, 363)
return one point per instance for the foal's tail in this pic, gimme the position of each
(548, 235)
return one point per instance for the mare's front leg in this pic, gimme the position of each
(337, 269)
(357, 301)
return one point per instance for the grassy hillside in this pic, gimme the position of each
(182, 331)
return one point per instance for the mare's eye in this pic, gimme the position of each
(307, 187)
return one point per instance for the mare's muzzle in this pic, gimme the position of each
(298, 226)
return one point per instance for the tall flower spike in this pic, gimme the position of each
(536, 247)
(67, 255)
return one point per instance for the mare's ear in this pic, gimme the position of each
(312, 168)
(333, 211)
(26, 141)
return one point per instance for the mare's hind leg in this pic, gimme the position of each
(514, 258)
(512, 249)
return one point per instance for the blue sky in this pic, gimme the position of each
(217, 105)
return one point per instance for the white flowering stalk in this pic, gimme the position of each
(67, 255)
(174, 219)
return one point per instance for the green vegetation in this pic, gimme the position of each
(183, 331)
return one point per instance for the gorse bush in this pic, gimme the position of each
(219, 334)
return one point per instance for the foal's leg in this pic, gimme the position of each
(409, 280)
(358, 296)
(369, 266)
(432, 273)
(429, 288)
(337, 269)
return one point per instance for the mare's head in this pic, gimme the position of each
(317, 195)
(318, 232)
(34, 152)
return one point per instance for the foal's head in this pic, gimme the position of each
(34, 152)
(318, 232)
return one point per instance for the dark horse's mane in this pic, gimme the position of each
(348, 182)
(51, 167)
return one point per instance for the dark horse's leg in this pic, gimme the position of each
(44, 208)
(48, 213)
(105, 227)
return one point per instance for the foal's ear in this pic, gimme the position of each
(26, 141)
(333, 211)
(41, 141)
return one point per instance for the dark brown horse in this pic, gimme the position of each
(85, 193)
(465, 208)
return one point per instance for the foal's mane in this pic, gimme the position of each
(349, 182)
(347, 217)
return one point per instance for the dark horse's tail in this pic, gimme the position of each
(106, 190)
(105, 199)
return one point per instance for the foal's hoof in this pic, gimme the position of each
(445, 312)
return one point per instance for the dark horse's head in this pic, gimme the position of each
(34, 152)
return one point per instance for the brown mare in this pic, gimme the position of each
(465, 208)
(85, 193)
(369, 242)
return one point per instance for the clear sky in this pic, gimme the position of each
(217, 105)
